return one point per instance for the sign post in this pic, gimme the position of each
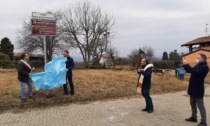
(45, 51)
(43, 24)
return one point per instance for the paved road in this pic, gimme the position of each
(170, 110)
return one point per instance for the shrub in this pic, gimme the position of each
(5, 61)
(4, 57)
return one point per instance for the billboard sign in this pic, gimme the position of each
(43, 24)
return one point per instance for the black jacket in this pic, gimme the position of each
(69, 65)
(23, 72)
(147, 78)
(196, 83)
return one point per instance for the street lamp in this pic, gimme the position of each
(106, 34)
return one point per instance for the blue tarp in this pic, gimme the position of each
(54, 75)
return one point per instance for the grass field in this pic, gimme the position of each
(90, 85)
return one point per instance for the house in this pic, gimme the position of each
(197, 46)
(36, 59)
(106, 60)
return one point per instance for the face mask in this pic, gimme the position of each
(197, 61)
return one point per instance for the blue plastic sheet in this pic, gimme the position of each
(54, 75)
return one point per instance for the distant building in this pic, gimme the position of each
(36, 59)
(33, 57)
(105, 60)
(197, 46)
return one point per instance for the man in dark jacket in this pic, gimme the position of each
(146, 71)
(196, 87)
(24, 72)
(69, 67)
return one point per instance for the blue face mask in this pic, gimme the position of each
(197, 61)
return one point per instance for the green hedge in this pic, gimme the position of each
(5, 61)
(4, 57)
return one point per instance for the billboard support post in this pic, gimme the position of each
(45, 50)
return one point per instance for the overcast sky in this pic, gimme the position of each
(161, 24)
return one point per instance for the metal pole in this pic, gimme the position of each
(45, 54)
(106, 41)
(45, 59)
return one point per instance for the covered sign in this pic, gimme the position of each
(43, 24)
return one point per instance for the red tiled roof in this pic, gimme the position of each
(197, 41)
(17, 54)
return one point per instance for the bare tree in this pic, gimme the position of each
(113, 53)
(134, 57)
(84, 26)
(32, 44)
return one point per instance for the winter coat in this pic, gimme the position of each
(69, 65)
(196, 82)
(147, 78)
(23, 72)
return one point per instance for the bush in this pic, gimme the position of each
(4, 57)
(5, 61)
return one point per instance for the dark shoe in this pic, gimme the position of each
(23, 100)
(202, 124)
(191, 119)
(150, 111)
(144, 110)
(32, 98)
(72, 93)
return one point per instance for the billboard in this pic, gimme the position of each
(43, 24)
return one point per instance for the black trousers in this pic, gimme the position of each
(148, 99)
(65, 87)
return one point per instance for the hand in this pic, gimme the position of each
(67, 69)
(184, 61)
(33, 68)
(139, 70)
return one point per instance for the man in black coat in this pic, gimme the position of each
(196, 87)
(146, 71)
(24, 72)
(69, 67)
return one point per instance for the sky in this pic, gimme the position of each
(161, 24)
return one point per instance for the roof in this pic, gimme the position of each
(141, 51)
(196, 51)
(18, 54)
(197, 41)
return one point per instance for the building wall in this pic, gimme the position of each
(206, 47)
(191, 57)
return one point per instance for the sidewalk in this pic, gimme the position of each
(170, 110)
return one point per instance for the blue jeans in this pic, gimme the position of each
(148, 99)
(22, 88)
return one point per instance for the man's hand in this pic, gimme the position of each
(184, 61)
(139, 70)
(67, 69)
(33, 68)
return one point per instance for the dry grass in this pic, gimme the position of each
(90, 85)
